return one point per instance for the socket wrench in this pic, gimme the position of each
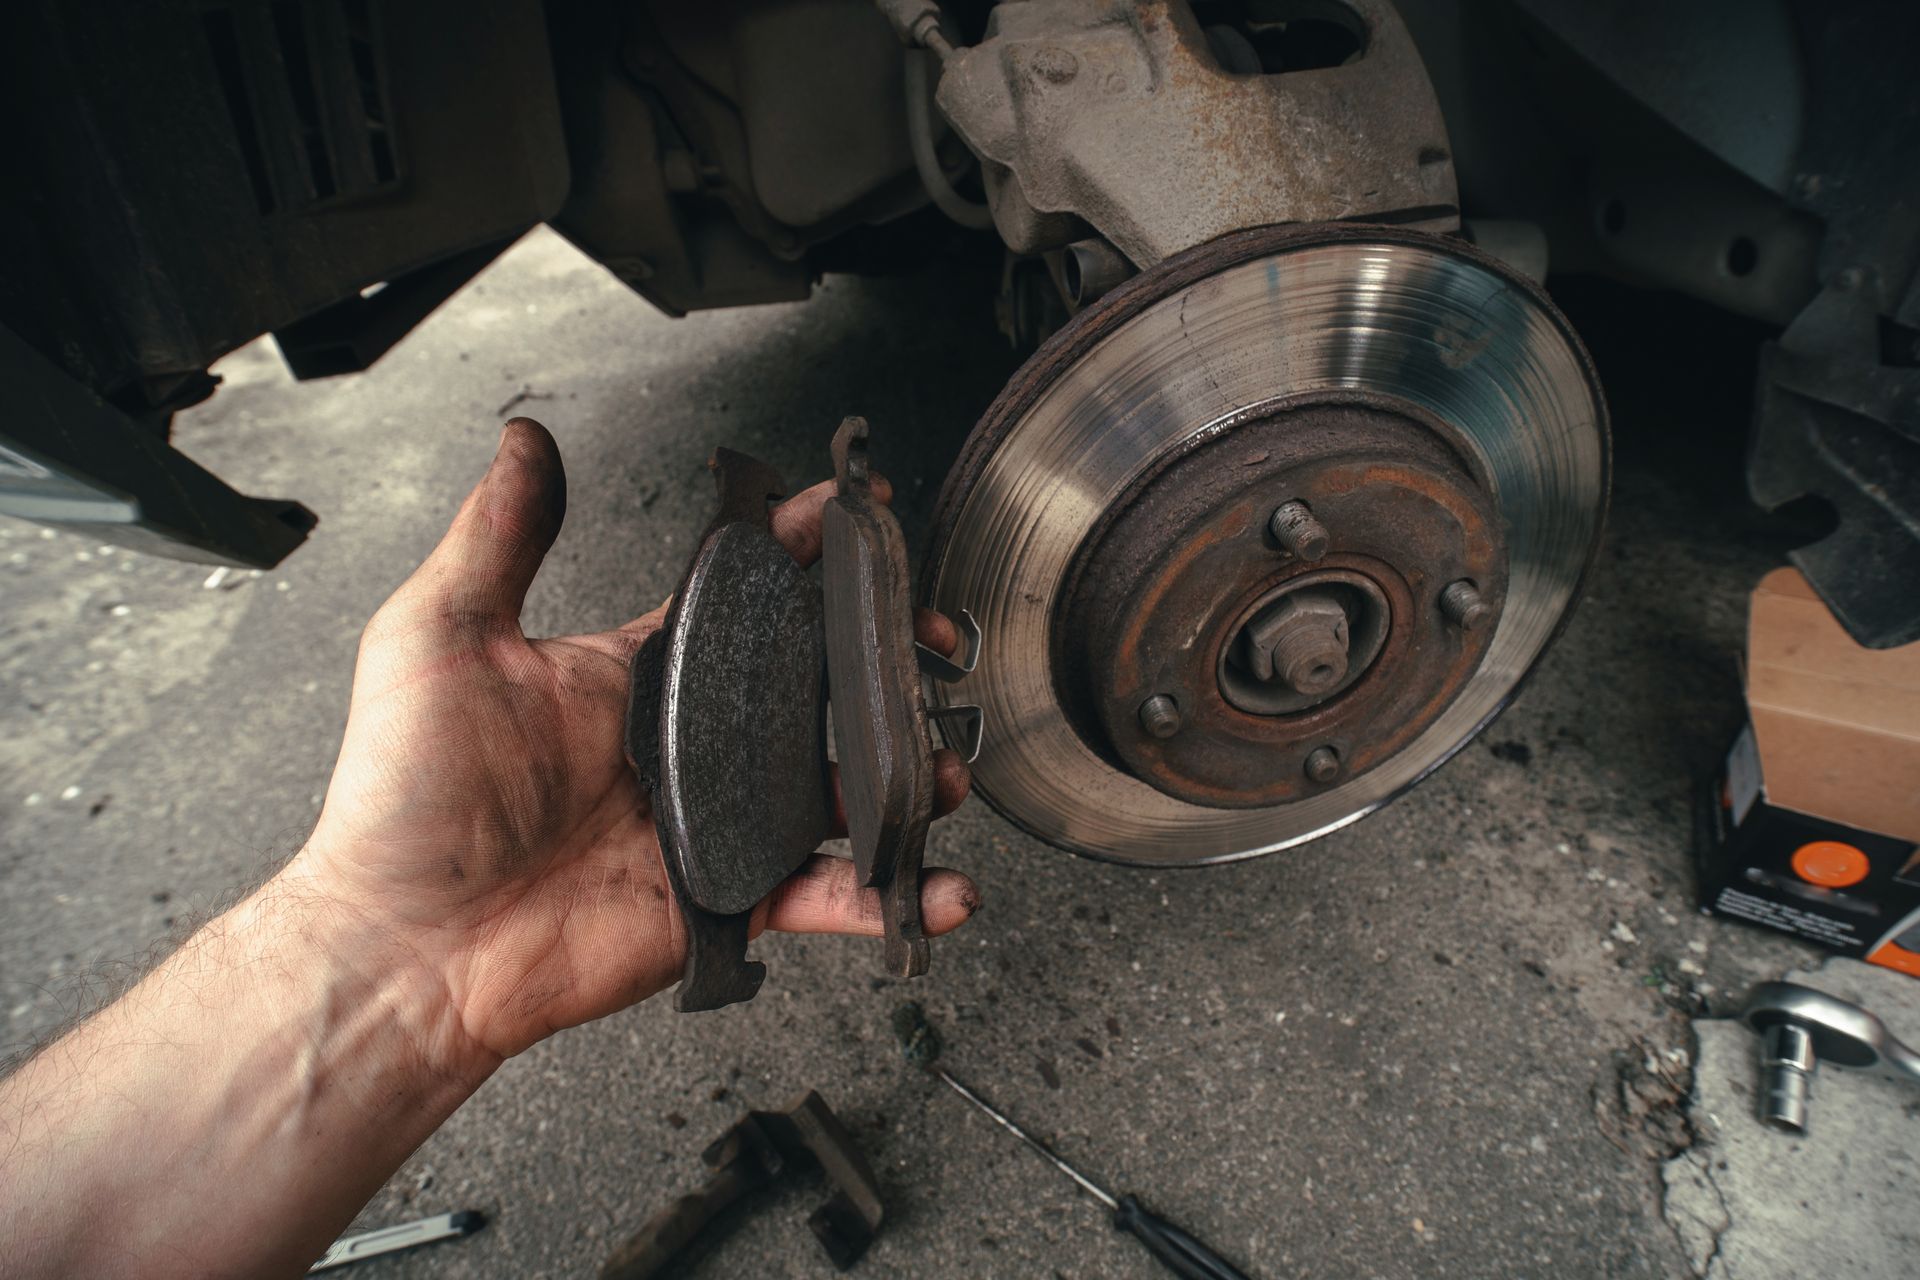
(1800, 1028)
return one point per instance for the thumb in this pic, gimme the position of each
(487, 560)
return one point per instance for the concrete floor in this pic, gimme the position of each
(1833, 1202)
(1451, 1040)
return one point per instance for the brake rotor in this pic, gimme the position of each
(1174, 672)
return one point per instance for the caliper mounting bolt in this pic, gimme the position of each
(1160, 716)
(1323, 764)
(1463, 606)
(1295, 529)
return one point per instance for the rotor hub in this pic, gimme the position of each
(1187, 593)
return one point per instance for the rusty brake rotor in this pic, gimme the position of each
(1264, 535)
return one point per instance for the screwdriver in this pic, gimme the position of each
(1178, 1251)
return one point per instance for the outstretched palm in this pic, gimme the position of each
(481, 807)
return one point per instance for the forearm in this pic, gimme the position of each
(232, 1112)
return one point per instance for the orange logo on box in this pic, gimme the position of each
(1832, 863)
(1894, 956)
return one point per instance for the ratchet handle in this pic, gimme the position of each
(1178, 1251)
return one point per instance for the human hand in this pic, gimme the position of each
(482, 818)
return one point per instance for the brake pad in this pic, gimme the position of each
(726, 723)
(879, 714)
(726, 727)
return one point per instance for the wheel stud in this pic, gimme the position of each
(1295, 529)
(1463, 606)
(1160, 716)
(1323, 764)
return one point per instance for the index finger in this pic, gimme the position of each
(796, 522)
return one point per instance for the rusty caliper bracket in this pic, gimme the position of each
(758, 1150)
(726, 723)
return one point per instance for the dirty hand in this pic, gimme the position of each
(482, 817)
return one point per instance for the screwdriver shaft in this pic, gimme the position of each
(1097, 1192)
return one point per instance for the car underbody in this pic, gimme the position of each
(1305, 471)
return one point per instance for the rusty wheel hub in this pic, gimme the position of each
(1266, 534)
(1269, 656)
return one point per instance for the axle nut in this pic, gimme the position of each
(1300, 642)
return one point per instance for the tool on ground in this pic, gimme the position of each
(1178, 1251)
(370, 1244)
(880, 719)
(1799, 1029)
(760, 1149)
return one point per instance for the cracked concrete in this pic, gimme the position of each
(1450, 1040)
(1749, 1203)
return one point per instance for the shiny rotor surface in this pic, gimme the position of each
(1409, 317)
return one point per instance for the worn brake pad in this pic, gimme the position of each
(727, 728)
(726, 719)
(879, 713)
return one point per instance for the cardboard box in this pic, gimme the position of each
(1813, 824)
(1838, 725)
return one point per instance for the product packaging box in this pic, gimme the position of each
(1813, 825)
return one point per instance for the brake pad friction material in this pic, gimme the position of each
(742, 742)
(726, 726)
(879, 712)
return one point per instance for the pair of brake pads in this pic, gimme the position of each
(728, 711)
